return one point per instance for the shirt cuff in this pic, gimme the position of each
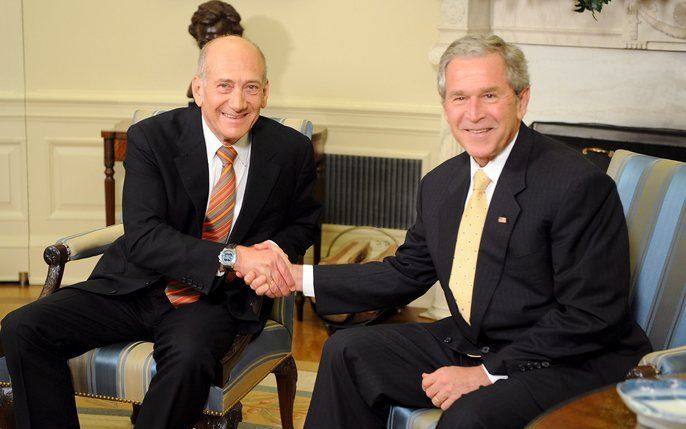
(493, 378)
(308, 281)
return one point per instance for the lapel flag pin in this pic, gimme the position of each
(502, 219)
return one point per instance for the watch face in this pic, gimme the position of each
(227, 257)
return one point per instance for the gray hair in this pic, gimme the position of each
(202, 59)
(480, 45)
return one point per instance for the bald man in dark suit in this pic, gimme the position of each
(218, 170)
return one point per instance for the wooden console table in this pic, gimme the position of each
(114, 141)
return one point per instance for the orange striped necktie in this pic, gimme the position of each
(217, 224)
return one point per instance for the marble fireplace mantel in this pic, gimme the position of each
(623, 24)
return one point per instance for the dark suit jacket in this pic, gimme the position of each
(165, 197)
(550, 302)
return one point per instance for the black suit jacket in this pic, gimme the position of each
(550, 303)
(165, 197)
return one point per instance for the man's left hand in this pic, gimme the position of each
(445, 385)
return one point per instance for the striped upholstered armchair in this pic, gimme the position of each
(122, 372)
(653, 193)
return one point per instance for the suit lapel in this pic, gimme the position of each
(503, 212)
(450, 214)
(262, 177)
(191, 163)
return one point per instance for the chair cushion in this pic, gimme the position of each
(123, 371)
(413, 418)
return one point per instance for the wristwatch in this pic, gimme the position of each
(227, 257)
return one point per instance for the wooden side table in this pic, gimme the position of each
(114, 143)
(599, 409)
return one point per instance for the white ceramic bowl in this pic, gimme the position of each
(658, 404)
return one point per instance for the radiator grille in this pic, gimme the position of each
(371, 191)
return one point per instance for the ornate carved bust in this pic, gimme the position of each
(213, 19)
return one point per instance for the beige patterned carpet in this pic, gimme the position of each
(260, 407)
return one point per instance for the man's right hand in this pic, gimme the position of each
(265, 264)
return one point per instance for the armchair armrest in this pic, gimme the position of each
(670, 361)
(91, 243)
(74, 247)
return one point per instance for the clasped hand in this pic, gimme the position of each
(445, 385)
(265, 268)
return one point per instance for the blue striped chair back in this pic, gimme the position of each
(653, 194)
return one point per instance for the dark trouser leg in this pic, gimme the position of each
(40, 337)
(507, 404)
(365, 370)
(188, 343)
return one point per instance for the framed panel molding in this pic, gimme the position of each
(12, 181)
(75, 179)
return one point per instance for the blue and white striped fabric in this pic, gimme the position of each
(653, 193)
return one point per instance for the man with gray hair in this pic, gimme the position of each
(529, 243)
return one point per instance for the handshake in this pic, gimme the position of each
(266, 269)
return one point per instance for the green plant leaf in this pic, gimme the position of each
(591, 5)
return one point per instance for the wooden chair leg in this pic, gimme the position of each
(134, 413)
(6, 408)
(229, 420)
(286, 379)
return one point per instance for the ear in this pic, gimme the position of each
(265, 94)
(198, 93)
(523, 101)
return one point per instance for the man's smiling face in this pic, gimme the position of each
(232, 89)
(480, 105)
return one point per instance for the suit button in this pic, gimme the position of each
(538, 365)
(447, 340)
(485, 350)
(521, 368)
(545, 364)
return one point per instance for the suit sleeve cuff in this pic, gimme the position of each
(491, 377)
(308, 281)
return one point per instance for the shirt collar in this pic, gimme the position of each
(494, 166)
(212, 144)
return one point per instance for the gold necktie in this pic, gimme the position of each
(467, 247)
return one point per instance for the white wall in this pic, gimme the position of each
(14, 215)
